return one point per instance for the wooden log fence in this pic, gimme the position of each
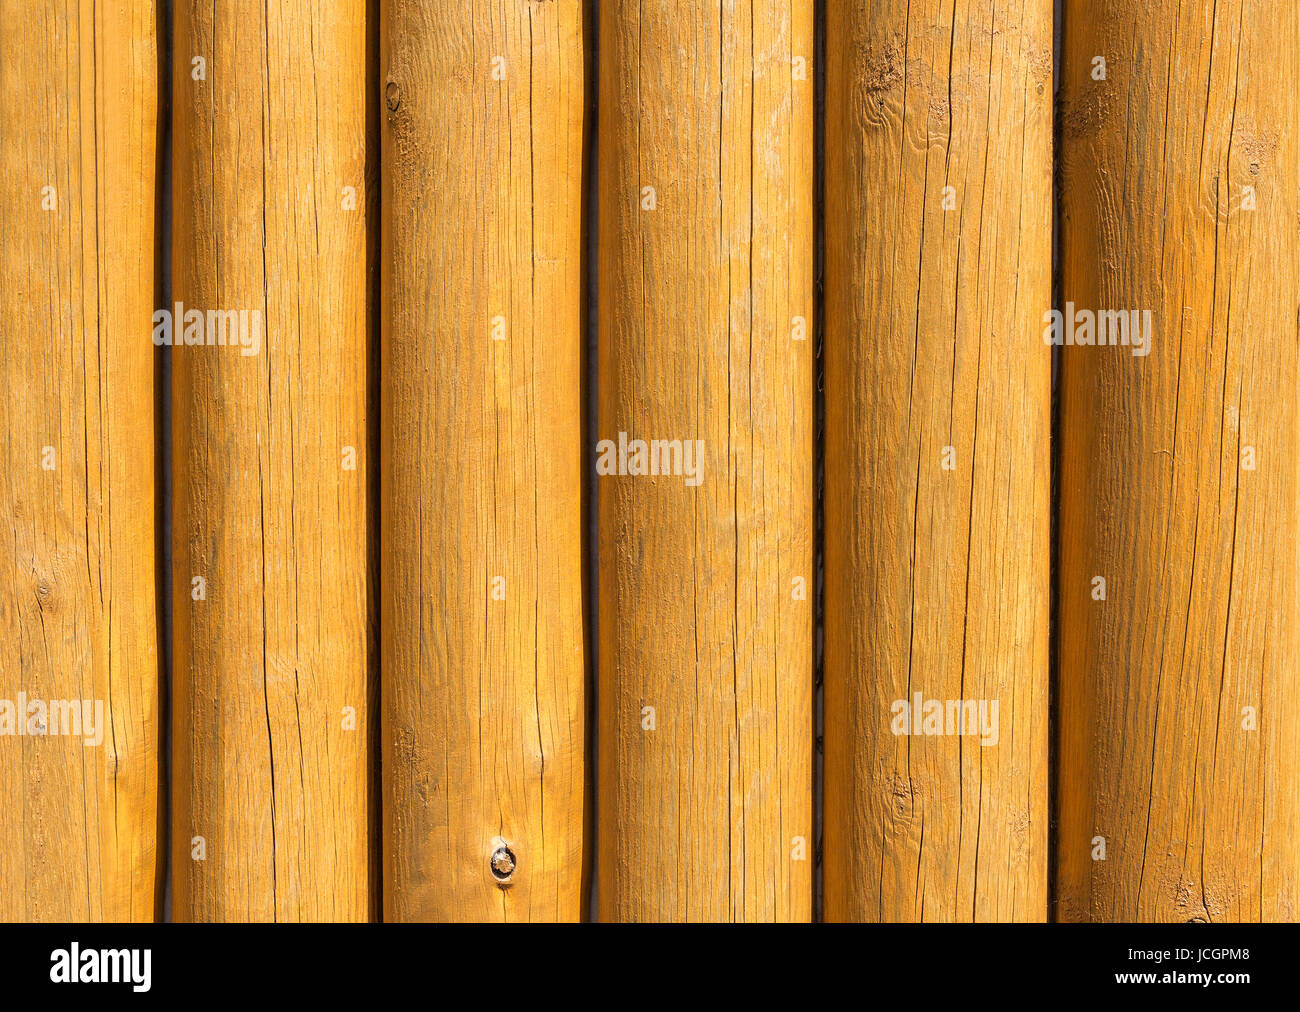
(735, 461)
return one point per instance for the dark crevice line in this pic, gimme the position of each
(1054, 494)
(373, 186)
(590, 420)
(819, 452)
(163, 490)
(261, 483)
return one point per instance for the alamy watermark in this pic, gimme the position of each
(233, 328)
(74, 718)
(1128, 328)
(678, 457)
(75, 965)
(921, 716)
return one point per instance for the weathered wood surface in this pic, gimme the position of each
(273, 792)
(1180, 485)
(484, 643)
(706, 334)
(78, 608)
(937, 490)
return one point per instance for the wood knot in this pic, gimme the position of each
(393, 96)
(502, 863)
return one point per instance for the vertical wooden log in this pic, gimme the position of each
(484, 736)
(938, 266)
(272, 795)
(706, 571)
(78, 572)
(1179, 686)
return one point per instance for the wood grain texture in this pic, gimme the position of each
(707, 817)
(78, 571)
(1200, 813)
(937, 455)
(484, 695)
(267, 768)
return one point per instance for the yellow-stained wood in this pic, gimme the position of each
(938, 267)
(78, 567)
(484, 653)
(1179, 779)
(273, 800)
(706, 302)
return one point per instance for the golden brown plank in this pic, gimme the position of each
(938, 263)
(706, 571)
(1179, 790)
(272, 792)
(78, 569)
(483, 634)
